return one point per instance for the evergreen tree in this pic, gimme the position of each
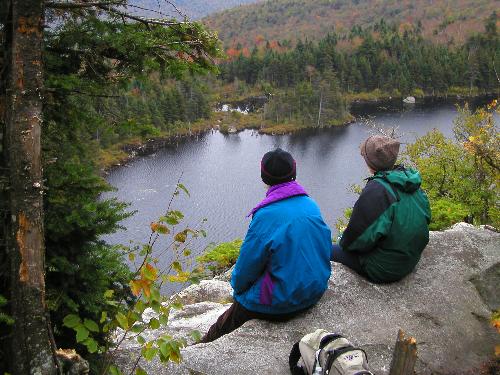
(93, 51)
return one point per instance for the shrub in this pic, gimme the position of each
(461, 176)
(221, 257)
(445, 213)
(122, 317)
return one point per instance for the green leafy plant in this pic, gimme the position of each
(341, 223)
(461, 176)
(445, 213)
(4, 318)
(125, 318)
(221, 257)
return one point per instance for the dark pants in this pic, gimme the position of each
(236, 316)
(348, 259)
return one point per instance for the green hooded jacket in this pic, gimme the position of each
(388, 227)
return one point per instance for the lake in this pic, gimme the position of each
(222, 172)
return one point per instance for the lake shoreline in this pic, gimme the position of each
(222, 173)
(128, 151)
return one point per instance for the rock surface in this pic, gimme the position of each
(445, 304)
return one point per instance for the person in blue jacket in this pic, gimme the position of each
(284, 262)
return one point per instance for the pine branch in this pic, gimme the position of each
(72, 91)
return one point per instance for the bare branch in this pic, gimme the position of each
(146, 21)
(148, 10)
(495, 69)
(184, 42)
(107, 6)
(391, 132)
(176, 9)
(78, 5)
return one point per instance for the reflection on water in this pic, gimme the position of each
(223, 177)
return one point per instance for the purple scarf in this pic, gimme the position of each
(279, 192)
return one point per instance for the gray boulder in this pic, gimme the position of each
(445, 304)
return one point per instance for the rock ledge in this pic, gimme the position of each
(445, 304)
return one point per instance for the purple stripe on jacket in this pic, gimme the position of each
(279, 192)
(266, 289)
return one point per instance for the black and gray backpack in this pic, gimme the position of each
(323, 353)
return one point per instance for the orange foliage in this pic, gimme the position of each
(356, 42)
(313, 19)
(147, 277)
(259, 39)
(405, 26)
(273, 44)
(344, 45)
(232, 52)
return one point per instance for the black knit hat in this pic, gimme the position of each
(277, 167)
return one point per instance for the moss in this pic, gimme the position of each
(111, 156)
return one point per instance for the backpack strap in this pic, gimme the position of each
(393, 187)
(327, 338)
(338, 352)
(293, 360)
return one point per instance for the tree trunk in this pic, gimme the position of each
(5, 337)
(31, 348)
(319, 110)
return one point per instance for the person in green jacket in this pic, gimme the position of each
(388, 228)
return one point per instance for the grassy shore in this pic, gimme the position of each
(228, 122)
(379, 95)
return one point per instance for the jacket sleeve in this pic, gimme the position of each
(371, 219)
(252, 260)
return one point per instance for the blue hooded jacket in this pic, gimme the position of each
(284, 262)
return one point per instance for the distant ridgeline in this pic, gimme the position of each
(441, 21)
(382, 57)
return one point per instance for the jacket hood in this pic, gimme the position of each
(407, 180)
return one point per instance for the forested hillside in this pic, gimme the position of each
(311, 83)
(444, 21)
(380, 57)
(194, 9)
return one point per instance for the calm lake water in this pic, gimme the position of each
(222, 173)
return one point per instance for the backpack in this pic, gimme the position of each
(324, 353)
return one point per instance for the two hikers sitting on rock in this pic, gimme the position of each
(284, 262)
